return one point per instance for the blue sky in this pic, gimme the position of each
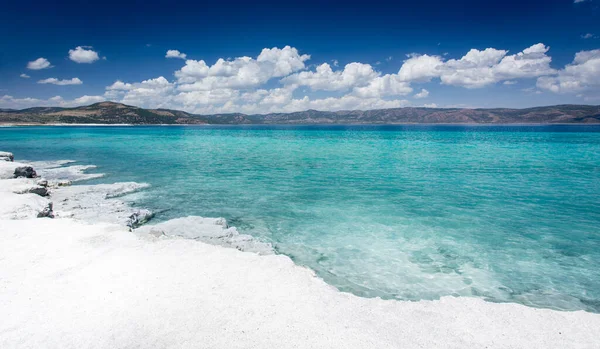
(377, 54)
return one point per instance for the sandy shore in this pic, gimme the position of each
(83, 279)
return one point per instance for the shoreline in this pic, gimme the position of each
(84, 279)
(301, 125)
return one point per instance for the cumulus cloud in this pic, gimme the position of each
(420, 68)
(55, 81)
(423, 94)
(481, 68)
(25, 76)
(359, 78)
(156, 92)
(478, 68)
(83, 54)
(324, 78)
(382, 86)
(119, 86)
(588, 36)
(241, 72)
(583, 74)
(175, 54)
(38, 64)
(7, 101)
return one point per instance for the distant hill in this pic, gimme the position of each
(117, 113)
(98, 113)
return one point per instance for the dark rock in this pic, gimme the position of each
(25, 171)
(6, 156)
(139, 217)
(41, 191)
(47, 212)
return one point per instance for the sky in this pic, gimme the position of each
(248, 57)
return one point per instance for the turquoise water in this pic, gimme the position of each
(509, 214)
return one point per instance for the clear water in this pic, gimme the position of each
(509, 214)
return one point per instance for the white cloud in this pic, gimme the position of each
(481, 68)
(588, 36)
(192, 71)
(55, 81)
(509, 82)
(423, 94)
(324, 78)
(578, 1)
(382, 86)
(241, 72)
(156, 92)
(119, 86)
(583, 74)
(420, 68)
(7, 101)
(430, 105)
(84, 100)
(25, 76)
(175, 54)
(477, 68)
(83, 54)
(40, 63)
(284, 61)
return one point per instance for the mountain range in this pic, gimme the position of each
(117, 113)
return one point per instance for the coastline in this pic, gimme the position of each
(303, 125)
(84, 279)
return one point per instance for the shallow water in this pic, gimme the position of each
(407, 212)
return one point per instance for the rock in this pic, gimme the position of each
(43, 183)
(41, 191)
(6, 156)
(47, 212)
(25, 171)
(139, 217)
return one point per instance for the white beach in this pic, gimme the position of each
(84, 280)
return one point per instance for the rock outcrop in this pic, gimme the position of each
(39, 190)
(25, 171)
(6, 156)
(46, 212)
(139, 217)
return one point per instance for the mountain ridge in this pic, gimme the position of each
(118, 113)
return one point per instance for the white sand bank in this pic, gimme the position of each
(70, 284)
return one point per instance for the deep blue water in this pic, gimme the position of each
(506, 213)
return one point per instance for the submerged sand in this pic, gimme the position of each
(79, 281)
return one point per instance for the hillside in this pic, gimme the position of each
(98, 113)
(116, 113)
